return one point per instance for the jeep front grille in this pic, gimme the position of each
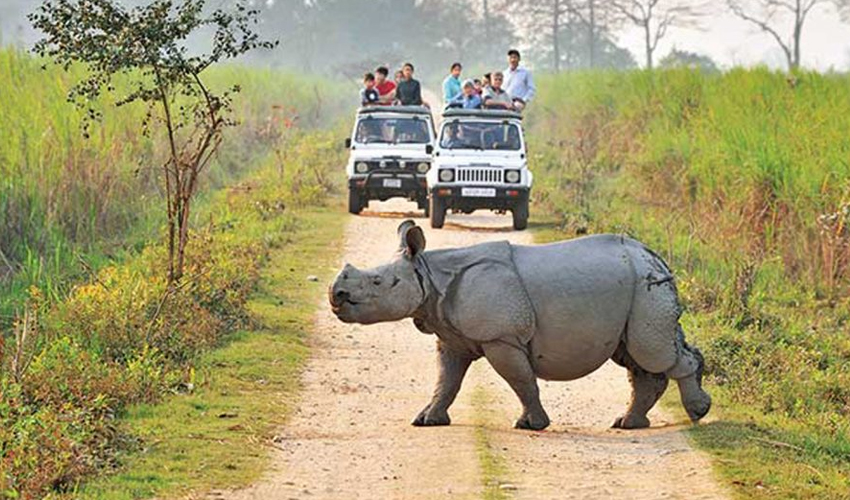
(474, 175)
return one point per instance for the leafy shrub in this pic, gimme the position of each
(124, 338)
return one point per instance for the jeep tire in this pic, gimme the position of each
(520, 215)
(355, 202)
(438, 212)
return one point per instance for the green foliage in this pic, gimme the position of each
(148, 45)
(740, 180)
(63, 197)
(111, 341)
(127, 338)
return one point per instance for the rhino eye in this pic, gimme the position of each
(377, 281)
(396, 281)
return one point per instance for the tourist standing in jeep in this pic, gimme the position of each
(408, 91)
(518, 82)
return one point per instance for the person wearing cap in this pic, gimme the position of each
(467, 99)
(518, 81)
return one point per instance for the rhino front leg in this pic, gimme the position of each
(513, 365)
(453, 368)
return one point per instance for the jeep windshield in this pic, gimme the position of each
(376, 130)
(482, 136)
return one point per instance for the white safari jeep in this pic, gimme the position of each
(480, 162)
(391, 149)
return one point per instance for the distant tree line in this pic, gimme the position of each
(345, 36)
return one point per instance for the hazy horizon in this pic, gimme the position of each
(726, 39)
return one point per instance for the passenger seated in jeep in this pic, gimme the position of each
(495, 97)
(460, 136)
(468, 99)
(369, 131)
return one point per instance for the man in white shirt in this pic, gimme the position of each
(518, 81)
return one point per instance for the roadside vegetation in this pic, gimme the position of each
(92, 333)
(741, 181)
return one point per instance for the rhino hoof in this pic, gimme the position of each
(699, 409)
(631, 422)
(530, 423)
(426, 420)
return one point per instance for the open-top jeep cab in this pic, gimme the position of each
(480, 162)
(391, 150)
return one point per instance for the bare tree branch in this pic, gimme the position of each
(656, 17)
(765, 14)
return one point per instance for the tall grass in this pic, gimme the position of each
(742, 181)
(65, 200)
(78, 355)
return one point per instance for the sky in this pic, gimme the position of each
(731, 41)
(725, 38)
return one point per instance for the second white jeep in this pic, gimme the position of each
(480, 163)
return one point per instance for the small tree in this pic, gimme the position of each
(148, 45)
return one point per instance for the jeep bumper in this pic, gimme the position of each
(470, 198)
(385, 184)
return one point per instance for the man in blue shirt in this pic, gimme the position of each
(468, 99)
(451, 85)
(518, 81)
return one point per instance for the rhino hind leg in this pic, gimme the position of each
(513, 365)
(688, 375)
(647, 389)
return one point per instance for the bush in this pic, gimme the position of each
(124, 338)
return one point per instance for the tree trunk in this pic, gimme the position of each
(798, 31)
(648, 41)
(486, 7)
(556, 31)
(591, 24)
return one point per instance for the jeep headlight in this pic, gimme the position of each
(512, 176)
(447, 175)
(361, 167)
(422, 168)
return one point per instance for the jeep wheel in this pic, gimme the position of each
(520, 215)
(425, 205)
(355, 203)
(438, 212)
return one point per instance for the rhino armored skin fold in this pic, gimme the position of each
(555, 312)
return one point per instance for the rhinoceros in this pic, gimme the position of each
(555, 312)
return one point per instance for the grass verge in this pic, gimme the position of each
(221, 433)
(742, 197)
(493, 467)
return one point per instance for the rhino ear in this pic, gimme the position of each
(412, 238)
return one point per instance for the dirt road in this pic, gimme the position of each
(351, 437)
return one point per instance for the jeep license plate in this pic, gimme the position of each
(392, 183)
(478, 192)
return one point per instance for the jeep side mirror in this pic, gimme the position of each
(429, 148)
(348, 143)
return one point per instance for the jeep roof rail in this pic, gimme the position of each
(407, 110)
(481, 113)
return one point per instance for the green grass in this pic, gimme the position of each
(492, 463)
(64, 198)
(740, 181)
(221, 434)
